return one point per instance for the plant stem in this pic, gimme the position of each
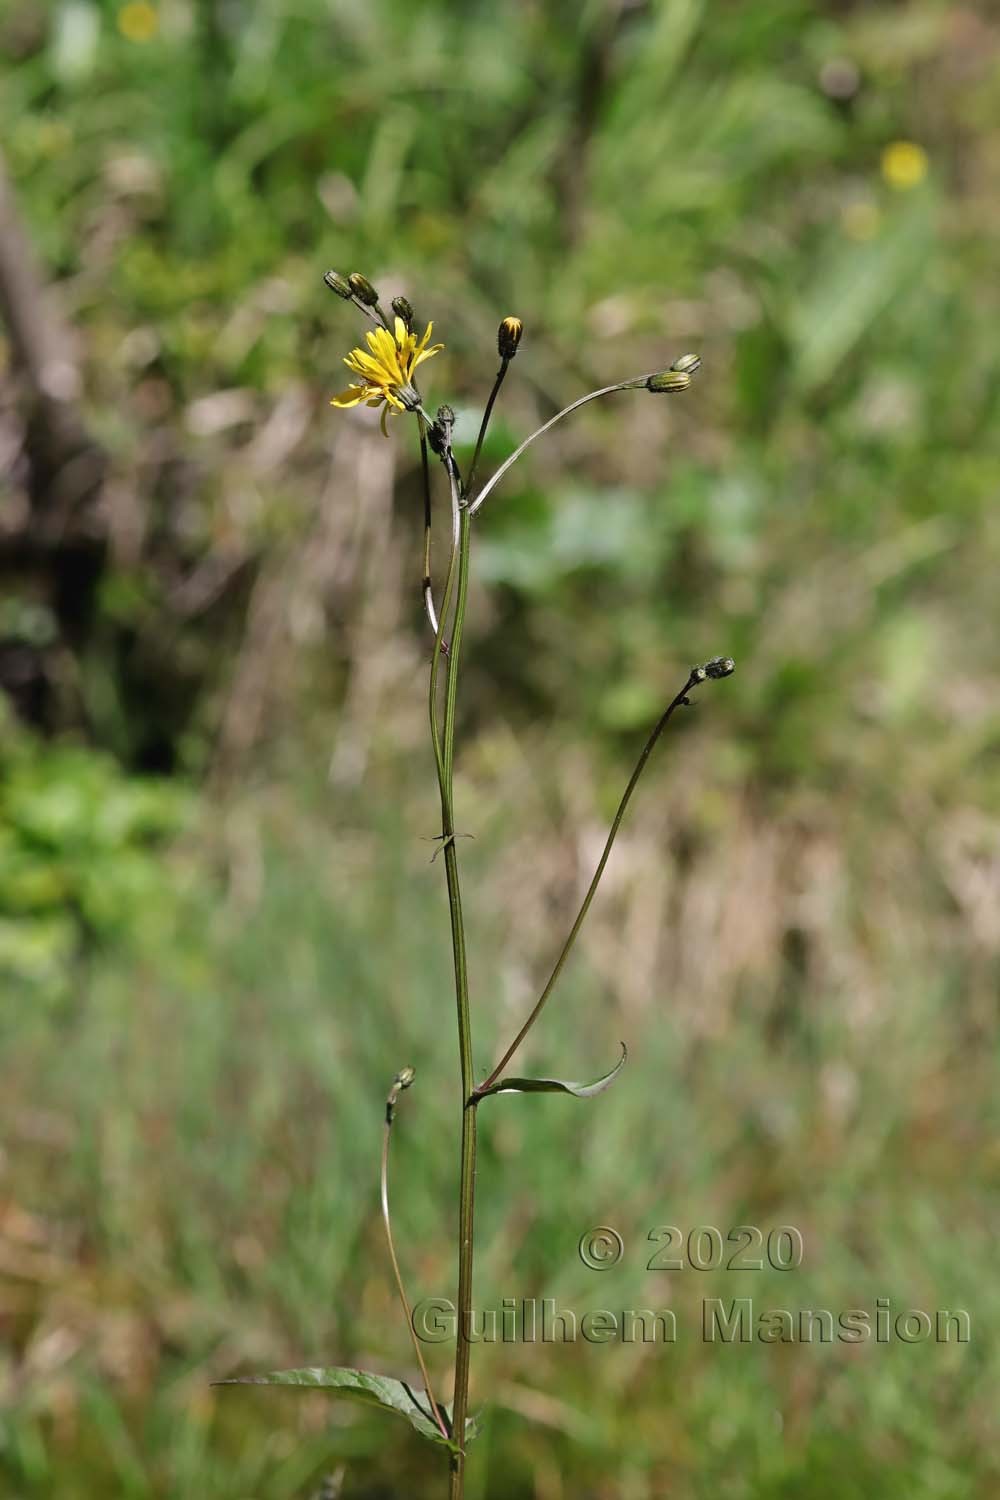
(484, 424)
(426, 584)
(444, 754)
(640, 766)
(606, 390)
(467, 1198)
(467, 1181)
(441, 650)
(390, 1112)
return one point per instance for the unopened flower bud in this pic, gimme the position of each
(362, 288)
(439, 433)
(720, 666)
(668, 380)
(687, 364)
(509, 336)
(402, 308)
(405, 1077)
(339, 284)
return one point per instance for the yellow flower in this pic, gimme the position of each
(904, 164)
(138, 21)
(387, 370)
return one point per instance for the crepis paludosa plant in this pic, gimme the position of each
(384, 375)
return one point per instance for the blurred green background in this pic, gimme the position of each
(220, 932)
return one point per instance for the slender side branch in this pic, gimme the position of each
(697, 675)
(451, 685)
(439, 652)
(370, 312)
(402, 1081)
(605, 390)
(426, 584)
(487, 413)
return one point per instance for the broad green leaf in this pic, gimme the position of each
(558, 1085)
(361, 1385)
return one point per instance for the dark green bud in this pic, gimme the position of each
(339, 284)
(402, 308)
(509, 336)
(362, 288)
(687, 364)
(439, 433)
(667, 381)
(719, 666)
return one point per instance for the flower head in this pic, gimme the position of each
(362, 288)
(403, 308)
(668, 381)
(387, 369)
(904, 164)
(677, 378)
(687, 364)
(138, 21)
(338, 284)
(509, 336)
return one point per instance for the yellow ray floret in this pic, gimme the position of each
(386, 369)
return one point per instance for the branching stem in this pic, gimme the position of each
(443, 739)
(606, 390)
(484, 424)
(567, 947)
(403, 1081)
(426, 584)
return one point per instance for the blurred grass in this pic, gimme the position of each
(214, 1210)
(799, 937)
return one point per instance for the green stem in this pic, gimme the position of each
(425, 582)
(484, 424)
(640, 766)
(606, 390)
(427, 586)
(463, 1349)
(444, 754)
(403, 1080)
(451, 686)
(441, 651)
(467, 1183)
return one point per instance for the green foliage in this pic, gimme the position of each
(197, 1175)
(363, 1386)
(81, 860)
(801, 940)
(558, 1085)
(692, 179)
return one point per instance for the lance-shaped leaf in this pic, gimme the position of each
(557, 1085)
(361, 1385)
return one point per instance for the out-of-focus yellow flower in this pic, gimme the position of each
(138, 21)
(387, 370)
(904, 164)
